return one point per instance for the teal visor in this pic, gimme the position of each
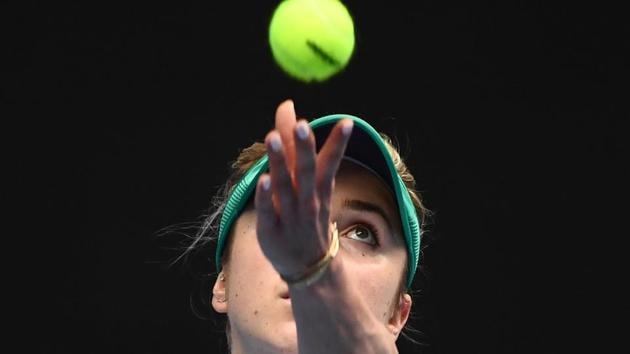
(365, 147)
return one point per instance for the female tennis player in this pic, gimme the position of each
(317, 240)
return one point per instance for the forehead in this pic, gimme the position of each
(355, 182)
(350, 171)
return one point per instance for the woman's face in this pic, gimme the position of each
(373, 251)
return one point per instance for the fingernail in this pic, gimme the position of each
(302, 130)
(276, 143)
(346, 129)
(266, 182)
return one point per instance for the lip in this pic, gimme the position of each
(285, 295)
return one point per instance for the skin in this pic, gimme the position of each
(355, 306)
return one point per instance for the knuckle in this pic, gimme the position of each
(306, 165)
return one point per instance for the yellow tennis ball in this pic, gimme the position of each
(311, 40)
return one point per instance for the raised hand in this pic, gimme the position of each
(293, 200)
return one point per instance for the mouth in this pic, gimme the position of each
(285, 295)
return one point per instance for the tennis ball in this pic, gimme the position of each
(311, 40)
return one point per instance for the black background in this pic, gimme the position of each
(511, 114)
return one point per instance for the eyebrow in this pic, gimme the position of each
(360, 205)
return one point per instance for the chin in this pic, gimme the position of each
(285, 338)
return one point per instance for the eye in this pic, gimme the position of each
(362, 233)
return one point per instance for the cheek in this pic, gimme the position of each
(250, 273)
(378, 283)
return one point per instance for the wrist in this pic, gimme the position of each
(315, 271)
